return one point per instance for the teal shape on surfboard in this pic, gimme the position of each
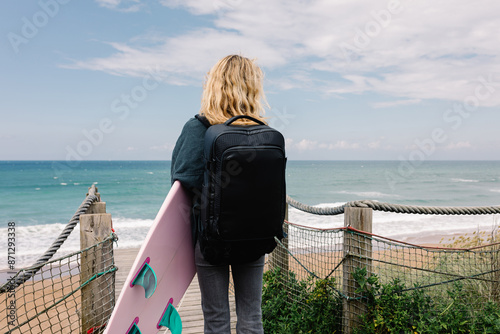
(172, 320)
(146, 277)
(134, 329)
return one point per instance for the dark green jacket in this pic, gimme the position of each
(188, 165)
(187, 158)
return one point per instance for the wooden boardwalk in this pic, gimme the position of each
(190, 307)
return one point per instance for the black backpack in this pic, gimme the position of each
(243, 194)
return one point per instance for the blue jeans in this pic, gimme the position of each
(214, 287)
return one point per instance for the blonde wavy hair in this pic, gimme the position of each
(233, 87)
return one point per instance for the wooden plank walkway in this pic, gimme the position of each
(190, 307)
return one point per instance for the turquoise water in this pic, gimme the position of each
(41, 196)
(431, 183)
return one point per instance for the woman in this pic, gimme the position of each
(233, 87)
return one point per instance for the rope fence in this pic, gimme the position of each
(82, 209)
(72, 294)
(397, 208)
(50, 301)
(349, 280)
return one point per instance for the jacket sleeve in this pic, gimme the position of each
(187, 157)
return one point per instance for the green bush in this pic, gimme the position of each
(392, 308)
(313, 305)
(305, 306)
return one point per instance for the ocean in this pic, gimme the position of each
(40, 197)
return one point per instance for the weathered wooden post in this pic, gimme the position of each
(279, 257)
(97, 298)
(358, 254)
(495, 282)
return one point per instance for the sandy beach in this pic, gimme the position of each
(34, 297)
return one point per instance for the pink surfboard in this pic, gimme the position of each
(161, 273)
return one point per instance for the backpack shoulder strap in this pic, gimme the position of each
(203, 120)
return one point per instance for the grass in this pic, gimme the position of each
(393, 308)
(300, 306)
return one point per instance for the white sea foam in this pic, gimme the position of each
(32, 241)
(131, 232)
(368, 194)
(464, 180)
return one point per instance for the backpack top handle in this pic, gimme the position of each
(235, 118)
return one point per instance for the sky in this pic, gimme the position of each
(345, 79)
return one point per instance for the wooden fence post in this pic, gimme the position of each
(279, 257)
(96, 298)
(358, 254)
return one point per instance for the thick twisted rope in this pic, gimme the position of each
(388, 207)
(315, 210)
(91, 198)
(429, 210)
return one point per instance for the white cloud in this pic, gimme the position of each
(181, 60)
(343, 145)
(306, 144)
(418, 50)
(389, 104)
(374, 144)
(164, 147)
(126, 6)
(108, 3)
(458, 145)
(449, 146)
(309, 145)
(203, 7)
